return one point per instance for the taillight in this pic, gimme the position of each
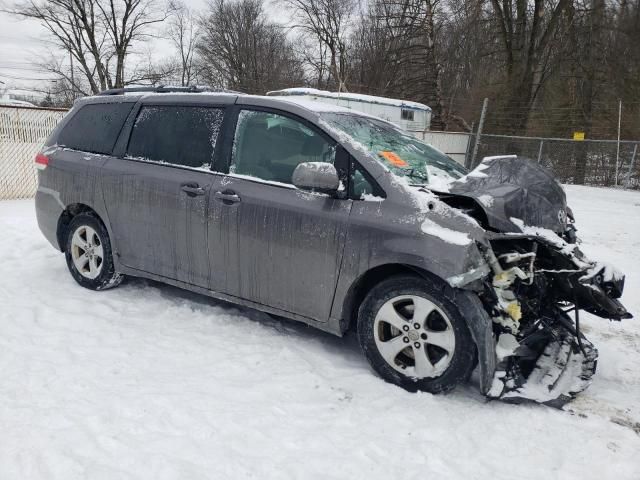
(41, 161)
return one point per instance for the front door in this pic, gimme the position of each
(157, 195)
(275, 244)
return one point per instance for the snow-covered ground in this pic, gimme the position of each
(147, 381)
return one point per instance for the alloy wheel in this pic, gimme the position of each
(87, 252)
(414, 336)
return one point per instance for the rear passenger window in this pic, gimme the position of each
(183, 136)
(95, 127)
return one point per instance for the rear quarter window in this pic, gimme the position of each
(95, 127)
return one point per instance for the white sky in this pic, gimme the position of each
(20, 45)
(23, 44)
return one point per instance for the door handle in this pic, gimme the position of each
(192, 189)
(228, 197)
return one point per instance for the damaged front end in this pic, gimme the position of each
(538, 283)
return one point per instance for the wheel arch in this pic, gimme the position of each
(475, 316)
(365, 282)
(71, 211)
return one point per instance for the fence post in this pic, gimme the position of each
(467, 150)
(540, 150)
(476, 144)
(618, 148)
(627, 182)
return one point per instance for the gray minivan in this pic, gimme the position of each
(333, 218)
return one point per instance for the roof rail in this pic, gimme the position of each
(165, 89)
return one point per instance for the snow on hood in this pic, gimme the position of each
(591, 268)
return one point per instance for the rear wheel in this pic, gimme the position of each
(414, 336)
(88, 253)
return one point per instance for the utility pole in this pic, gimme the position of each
(472, 163)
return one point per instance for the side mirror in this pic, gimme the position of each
(317, 176)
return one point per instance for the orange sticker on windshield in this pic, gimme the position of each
(393, 159)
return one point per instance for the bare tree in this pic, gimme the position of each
(327, 21)
(184, 34)
(467, 49)
(373, 50)
(242, 50)
(395, 53)
(526, 30)
(97, 35)
(431, 93)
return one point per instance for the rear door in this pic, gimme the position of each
(157, 194)
(276, 245)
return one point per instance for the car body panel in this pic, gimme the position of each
(157, 226)
(72, 178)
(278, 246)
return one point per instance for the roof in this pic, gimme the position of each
(315, 106)
(353, 97)
(165, 89)
(166, 96)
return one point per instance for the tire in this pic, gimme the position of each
(387, 315)
(88, 253)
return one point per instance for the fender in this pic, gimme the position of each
(481, 329)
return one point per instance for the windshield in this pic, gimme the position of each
(402, 153)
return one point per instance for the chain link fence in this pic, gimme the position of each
(587, 162)
(23, 130)
(582, 162)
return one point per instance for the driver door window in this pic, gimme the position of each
(270, 146)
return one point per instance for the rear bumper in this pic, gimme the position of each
(49, 207)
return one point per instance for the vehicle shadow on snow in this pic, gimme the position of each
(346, 347)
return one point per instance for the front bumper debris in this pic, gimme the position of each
(561, 371)
(541, 355)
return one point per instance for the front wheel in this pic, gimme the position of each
(414, 336)
(88, 253)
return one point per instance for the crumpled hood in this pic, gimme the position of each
(509, 187)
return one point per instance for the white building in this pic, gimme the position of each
(7, 101)
(410, 116)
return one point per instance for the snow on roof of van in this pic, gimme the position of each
(320, 107)
(316, 106)
(356, 97)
